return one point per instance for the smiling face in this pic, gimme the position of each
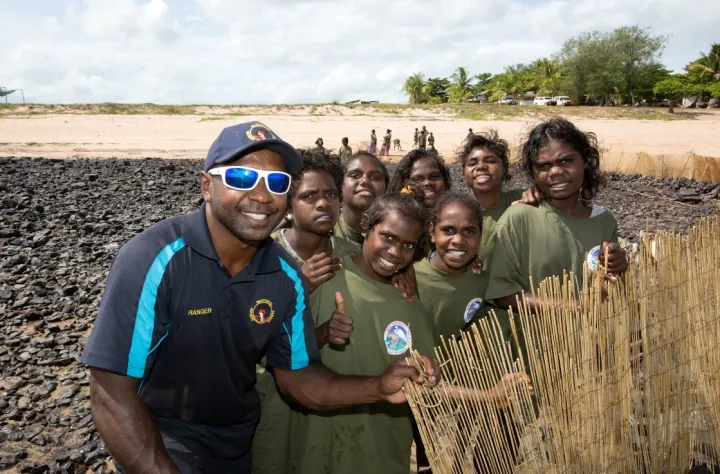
(559, 171)
(316, 203)
(364, 181)
(484, 171)
(390, 245)
(249, 215)
(456, 235)
(426, 174)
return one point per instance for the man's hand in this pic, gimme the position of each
(392, 380)
(319, 268)
(406, 283)
(530, 196)
(616, 259)
(338, 328)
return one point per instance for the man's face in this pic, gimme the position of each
(559, 171)
(364, 181)
(390, 245)
(426, 174)
(251, 215)
(484, 171)
(316, 204)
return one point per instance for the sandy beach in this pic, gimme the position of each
(656, 147)
(189, 136)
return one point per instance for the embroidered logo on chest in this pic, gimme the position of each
(262, 312)
(472, 308)
(398, 338)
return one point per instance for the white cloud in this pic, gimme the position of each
(237, 51)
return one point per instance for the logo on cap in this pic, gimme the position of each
(259, 131)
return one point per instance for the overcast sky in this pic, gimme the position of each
(301, 51)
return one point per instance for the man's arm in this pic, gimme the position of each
(319, 388)
(125, 424)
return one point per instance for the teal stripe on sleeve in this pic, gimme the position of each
(299, 358)
(145, 316)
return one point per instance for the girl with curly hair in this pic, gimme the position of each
(534, 243)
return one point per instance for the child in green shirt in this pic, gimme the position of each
(486, 166)
(364, 324)
(366, 178)
(451, 293)
(314, 202)
(559, 234)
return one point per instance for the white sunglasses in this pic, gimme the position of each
(243, 178)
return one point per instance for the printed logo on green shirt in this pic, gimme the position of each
(398, 338)
(472, 308)
(593, 257)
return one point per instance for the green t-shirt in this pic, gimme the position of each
(450, 301)
(345, 152)
(490, 218)
(270, 445)
(541, 242)
(342, 230)
(370, 438)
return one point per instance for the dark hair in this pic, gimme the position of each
(558, 128)
(315, 160)
(410, 203)
(367, 154)
(402, 173)
(491, 141)
(453, 197)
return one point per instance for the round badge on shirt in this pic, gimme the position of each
(398, 338)
(472, 308)
(593, 258)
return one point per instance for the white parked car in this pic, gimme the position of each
(563, 100)
(507, 100)
(544, 101)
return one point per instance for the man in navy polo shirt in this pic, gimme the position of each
(193, 303)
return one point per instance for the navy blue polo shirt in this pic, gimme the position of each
(172, 316)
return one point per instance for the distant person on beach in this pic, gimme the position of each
(422, 138)
(416, 138)
(172, 358)
(320, 145)
(431, 142)
(373, 143)
(470, 134)
(345, 150)
(396, 145)
(385, 150)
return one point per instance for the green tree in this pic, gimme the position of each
(707, 67)
(461, 82)
(545, 75)
(414, 88)
(436, 89)
(482, 83)
(634, 49)
(675, 88)
(607, 65)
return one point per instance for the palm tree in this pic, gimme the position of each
(709, 64)
(414, 87)
(461, 84)
(547, 74)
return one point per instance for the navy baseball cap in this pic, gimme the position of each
(243, 138)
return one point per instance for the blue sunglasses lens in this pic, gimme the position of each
(243, 178)
(278, 183)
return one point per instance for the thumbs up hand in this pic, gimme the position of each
(340, 325)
